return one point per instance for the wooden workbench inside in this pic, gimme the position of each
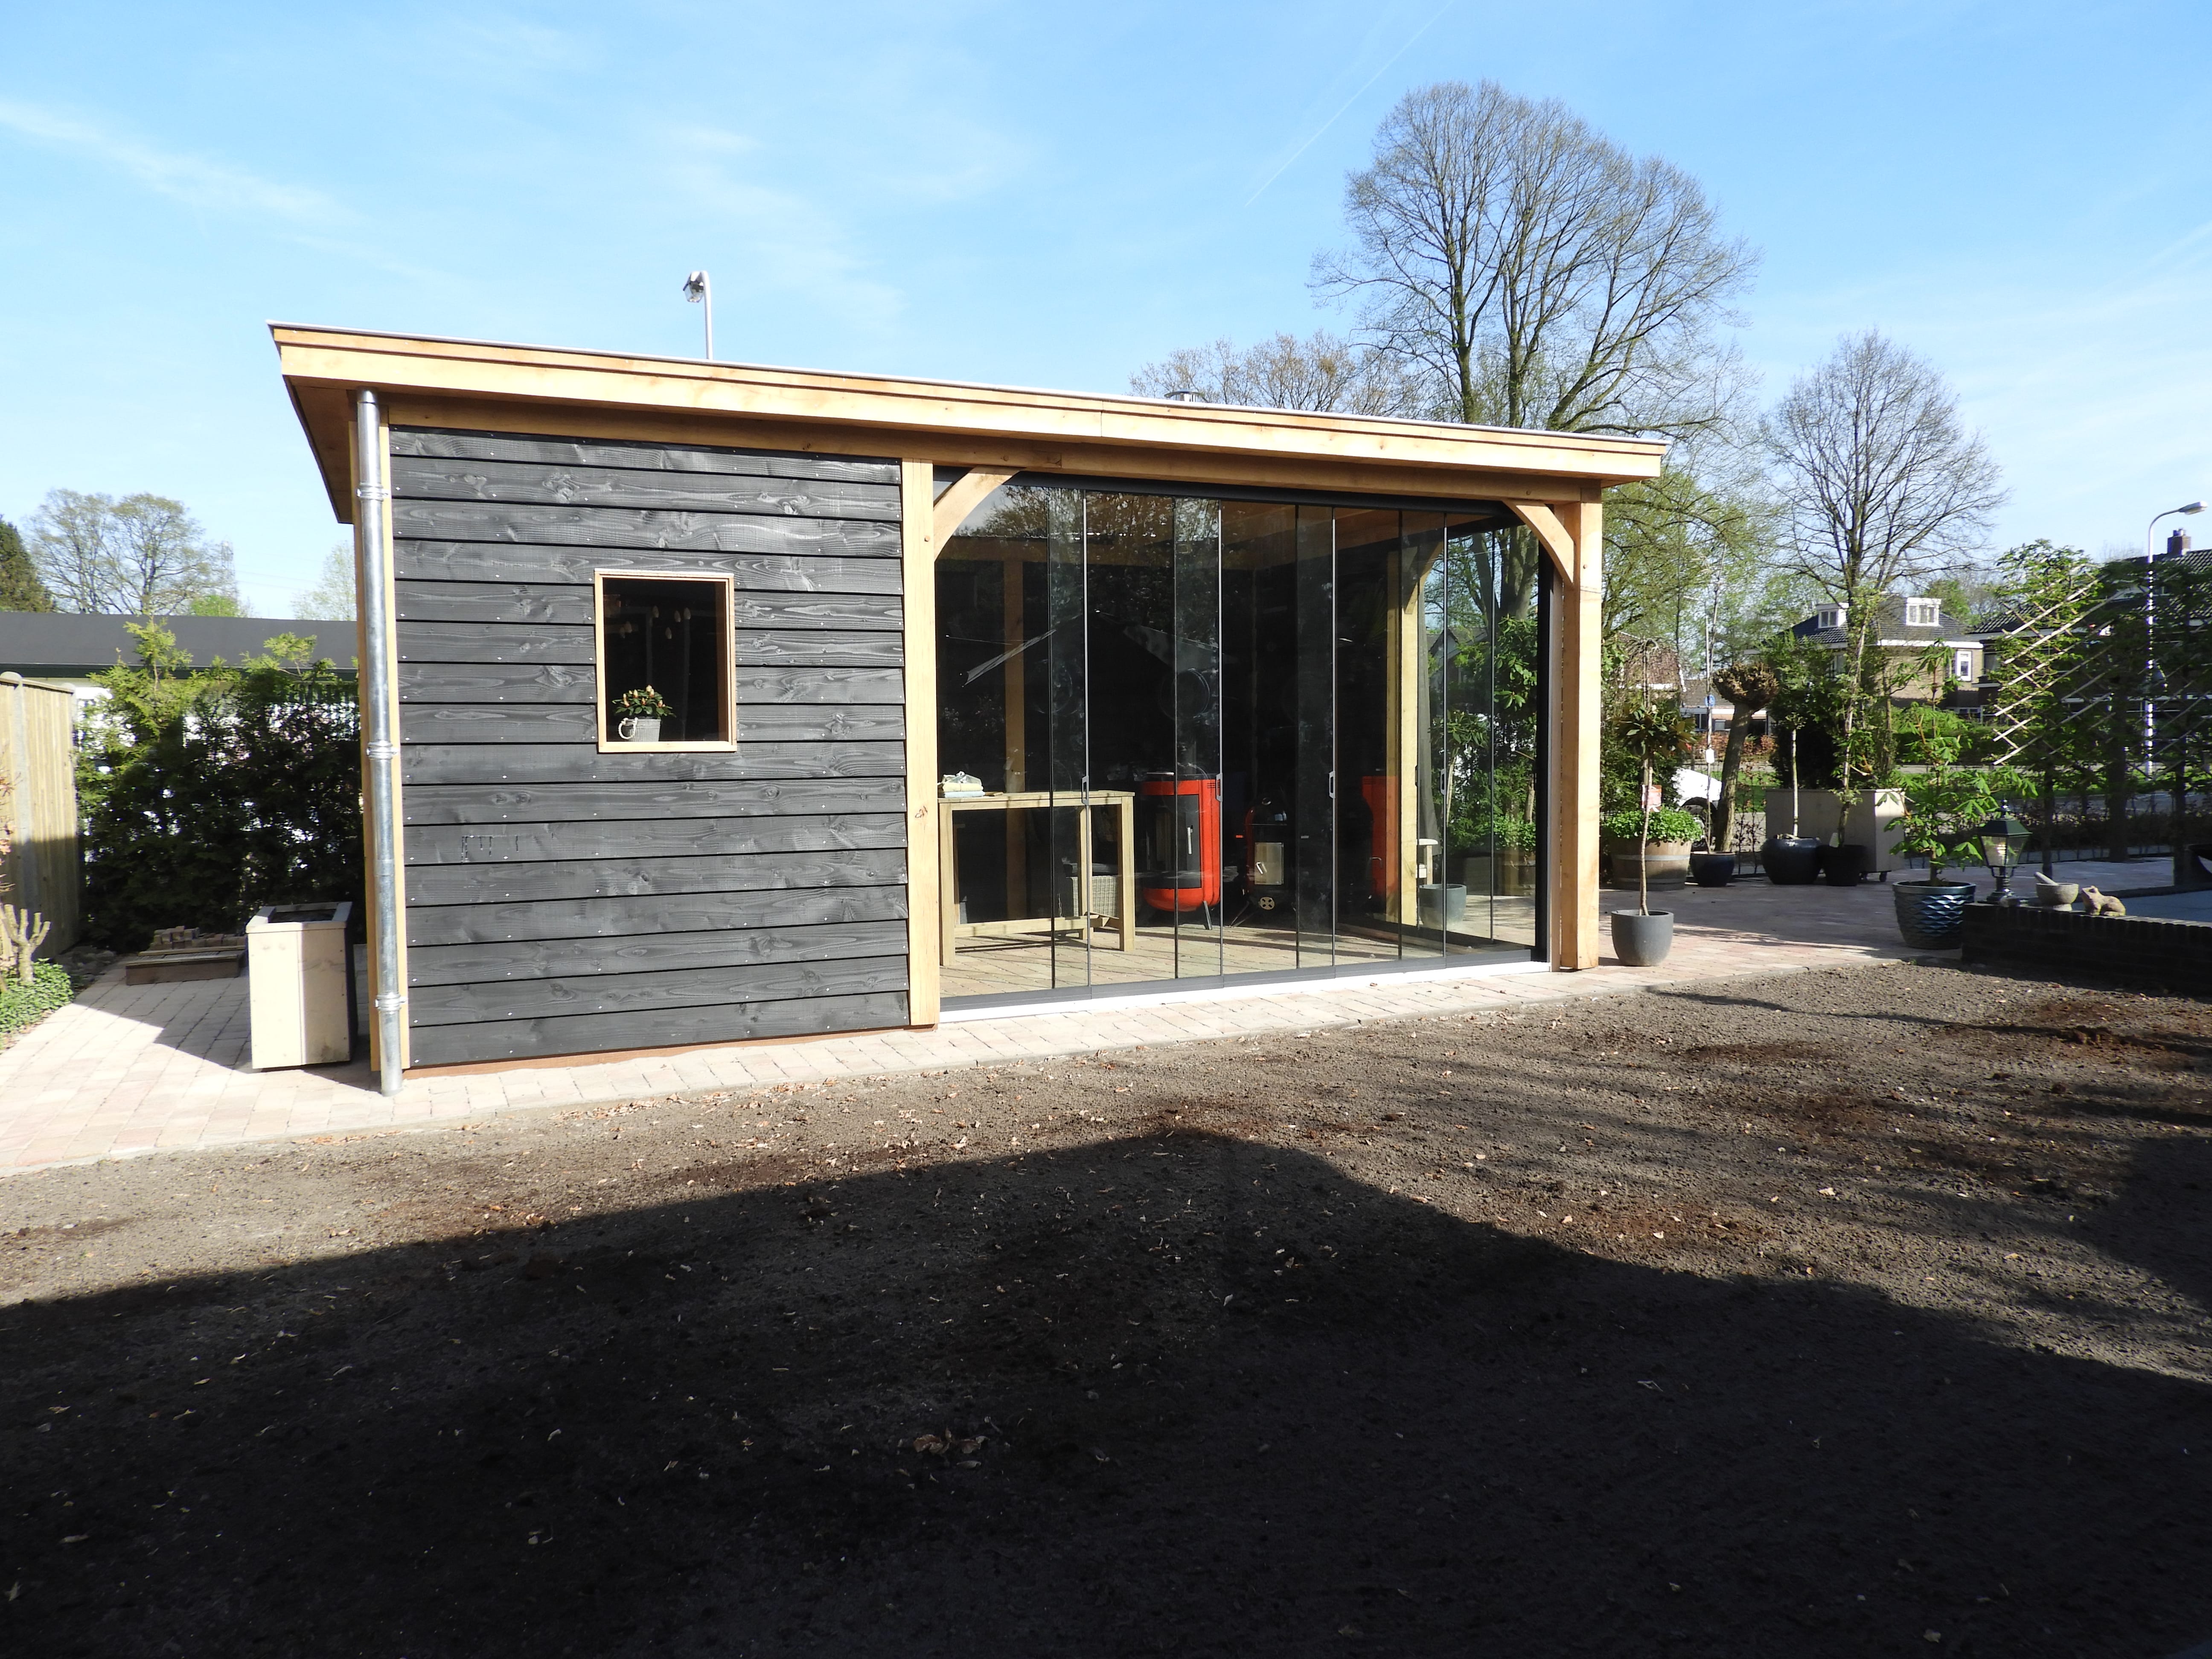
(951, 929)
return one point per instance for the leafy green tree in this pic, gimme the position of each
(208, 793)
(331, 598)
(20, 587)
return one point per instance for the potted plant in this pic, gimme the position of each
(1655, 736)
(1663, 836)
(638, 716)
(1945, 808)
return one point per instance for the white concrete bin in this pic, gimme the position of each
(298, 980)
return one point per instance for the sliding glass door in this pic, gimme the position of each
(1190, 740)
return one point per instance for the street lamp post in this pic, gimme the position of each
(2150, 543)
(701, 292)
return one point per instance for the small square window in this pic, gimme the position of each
(666, 646)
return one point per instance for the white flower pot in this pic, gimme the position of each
(631, 729)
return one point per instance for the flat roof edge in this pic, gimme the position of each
(1533, 443)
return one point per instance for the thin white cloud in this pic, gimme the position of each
(1306, 142)
(192, 180)
(786, 242)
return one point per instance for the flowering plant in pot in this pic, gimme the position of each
(1654, 735)
(1944, 809)
(638, 716)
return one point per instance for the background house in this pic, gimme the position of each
(1909, 628)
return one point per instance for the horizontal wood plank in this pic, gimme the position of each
(575, 802)
(491, 602)
(493, 722)
(818, 611)
(435, 887)
(874, 571)
(546, 484)
(666, 458)
(724, 837)
(531, 957)
(834, 723)
(791, 683)
(520, 642)
(495, 682)
(483, 764)
(635, 527)
(684, 987)
(532, 1039)
(841, 647)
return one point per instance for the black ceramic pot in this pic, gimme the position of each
(1931, 915)
(1790, 860)
(1712, 869)
(1846, 865)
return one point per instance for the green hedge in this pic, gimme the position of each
(209, 791)
(24, 1006)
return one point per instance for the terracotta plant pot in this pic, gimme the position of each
(1642, 941)
(1931, 914)
(1712, 869)
(1790, 860)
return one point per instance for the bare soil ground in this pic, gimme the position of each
(1853, 1313)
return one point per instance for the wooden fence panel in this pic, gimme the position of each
(38, 775)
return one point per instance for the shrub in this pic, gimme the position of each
(210, 793)
(23, 1005)
(1668, 823)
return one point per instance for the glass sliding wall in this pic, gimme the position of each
(1212, 739)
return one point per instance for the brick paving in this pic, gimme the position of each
(132, 1069)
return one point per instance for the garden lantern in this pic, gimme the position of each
(2001, 840)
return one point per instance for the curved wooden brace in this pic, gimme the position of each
(1541, 518)
(963, 497)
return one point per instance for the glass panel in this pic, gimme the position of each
(1201, 852)
(1313, 599)
(1370, 884)
(1259, 733)
(1064, 666)
(1129, 559)
(1439, 905)
(666, 646)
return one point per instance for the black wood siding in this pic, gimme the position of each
(564, 901)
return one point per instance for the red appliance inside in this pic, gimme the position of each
(1179, 843)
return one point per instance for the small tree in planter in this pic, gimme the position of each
(1657, 737)
(1944, 809)
(638, 716)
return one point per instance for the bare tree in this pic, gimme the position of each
(143, 556)
(1323, 372)
(1880, 486)
(1539, 273)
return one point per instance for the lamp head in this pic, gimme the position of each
(1183, 394)
(694, 286)
(2193, 507)
(2001, 838)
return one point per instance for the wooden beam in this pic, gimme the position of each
(1544, 519)
(964, 496)
(918, 563)
(1578, 699)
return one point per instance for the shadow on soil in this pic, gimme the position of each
(1194, 1397)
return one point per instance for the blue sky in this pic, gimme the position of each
(1048, 195)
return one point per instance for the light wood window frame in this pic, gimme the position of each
(727, 670)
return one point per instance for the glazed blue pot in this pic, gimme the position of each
(1790, 860)
(1931, 914)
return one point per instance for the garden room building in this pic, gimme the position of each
(706, 702)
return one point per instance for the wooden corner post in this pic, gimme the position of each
(918, 516)
(1573, 535)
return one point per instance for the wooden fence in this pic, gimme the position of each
(38, 800)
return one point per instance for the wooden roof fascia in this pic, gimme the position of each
(960, 424)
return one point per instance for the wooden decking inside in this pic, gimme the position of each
(993, 967)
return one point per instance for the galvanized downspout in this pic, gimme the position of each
(371, 518)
